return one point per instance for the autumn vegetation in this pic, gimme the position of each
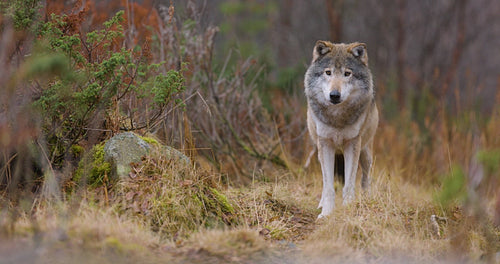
(221, 81)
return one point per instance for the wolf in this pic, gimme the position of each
(342, 115)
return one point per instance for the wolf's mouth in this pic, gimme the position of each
(335, 101)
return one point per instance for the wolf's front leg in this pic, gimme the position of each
(326, 156)
(351, 157)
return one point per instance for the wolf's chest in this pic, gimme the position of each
(338, 136)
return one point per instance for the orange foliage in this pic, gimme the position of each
(141, 19)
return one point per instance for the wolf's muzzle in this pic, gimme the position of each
(335, 97)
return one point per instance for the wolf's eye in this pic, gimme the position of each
(328, 72)
(347, 73)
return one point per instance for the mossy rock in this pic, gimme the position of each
(110, 161)
(126, 148)
(166, 151)
(92, 168)
(123, 149)
(176, 155)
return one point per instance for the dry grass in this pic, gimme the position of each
(172, 213)
(230, 246)
(390, 224)
(89, 234)
(276, 222)
(280, 210)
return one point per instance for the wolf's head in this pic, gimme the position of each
(338, 73)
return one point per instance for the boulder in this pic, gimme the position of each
(123, 149)
(174, 154)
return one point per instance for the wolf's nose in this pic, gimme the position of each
(335, 97)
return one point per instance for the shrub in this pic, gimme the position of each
(102, 87)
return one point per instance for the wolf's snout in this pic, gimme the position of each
(335, 97)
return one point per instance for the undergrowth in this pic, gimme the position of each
(92, 169)
(174, 201)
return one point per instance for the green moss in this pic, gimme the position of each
(150, 140)
(100, 168)
(276, 233)
(93, 167)
(77, 150)
(77, 176)
(114, 244)
(222, 201)
(197, 200)
(209, 203)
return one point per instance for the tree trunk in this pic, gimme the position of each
(401, 53)
(457, 49)
(334, 12)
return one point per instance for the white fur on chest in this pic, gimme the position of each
(338, 137)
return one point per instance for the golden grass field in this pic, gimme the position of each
(264, 222)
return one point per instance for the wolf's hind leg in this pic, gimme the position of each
(351, 157)
(365, 158)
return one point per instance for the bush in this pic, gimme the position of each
(100, 86)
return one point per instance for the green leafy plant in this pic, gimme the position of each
(97, 83)
(490, 160)
(453, 187)
(23, 13)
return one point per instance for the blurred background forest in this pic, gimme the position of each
(435, 68)
(222, 81)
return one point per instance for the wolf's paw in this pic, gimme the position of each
(326, 210)
(323, 216)
(367, 192)
(348, 197)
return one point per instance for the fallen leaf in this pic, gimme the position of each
(186, 183)
(264, 232)
(129, 196)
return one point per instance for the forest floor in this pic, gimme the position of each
(394, 223)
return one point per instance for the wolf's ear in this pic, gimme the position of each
(321, 48)
(359, 51)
